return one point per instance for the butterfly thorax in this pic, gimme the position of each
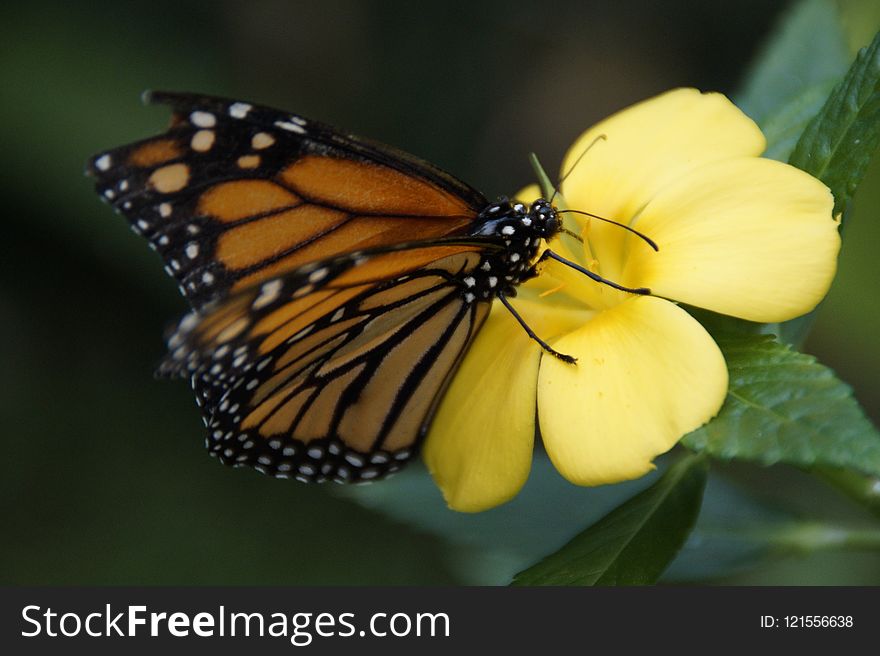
(519, 229)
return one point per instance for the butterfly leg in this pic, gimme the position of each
(531, 333)
(550, 255)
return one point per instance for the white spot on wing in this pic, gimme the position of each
(239, 109)
(268, 293)
(318, 274)
(203, 119)
(189, 321)
(103, 162)
(290, 127)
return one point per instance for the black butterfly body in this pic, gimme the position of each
(336, 283)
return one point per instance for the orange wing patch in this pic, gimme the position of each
(367, 187)
(154, 153)
(263, 239)
(368, 231)
(239, 199)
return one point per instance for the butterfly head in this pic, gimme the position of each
(544, 219)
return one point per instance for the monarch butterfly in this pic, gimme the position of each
(335, 282)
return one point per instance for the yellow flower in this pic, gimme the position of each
(737, 234)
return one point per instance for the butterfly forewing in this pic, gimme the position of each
(234, 194)
(327, 372)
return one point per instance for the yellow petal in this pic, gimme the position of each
(646, 146)
(528, 194)
(479, 447)
(647, 373)
(749, 237)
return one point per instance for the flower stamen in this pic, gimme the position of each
(548, 292)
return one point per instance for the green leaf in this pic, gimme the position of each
(839, 142)
(635, 542)
(784, 406)
(784, 126)
(792, 75)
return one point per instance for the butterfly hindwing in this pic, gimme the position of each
(234, 193)
(331, 371)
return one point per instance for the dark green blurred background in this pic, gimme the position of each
(104, 476)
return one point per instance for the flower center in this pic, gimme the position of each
(575, 265)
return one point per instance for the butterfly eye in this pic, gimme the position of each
(545, 218)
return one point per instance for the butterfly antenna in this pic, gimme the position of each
(640, 235)
(571, 168)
